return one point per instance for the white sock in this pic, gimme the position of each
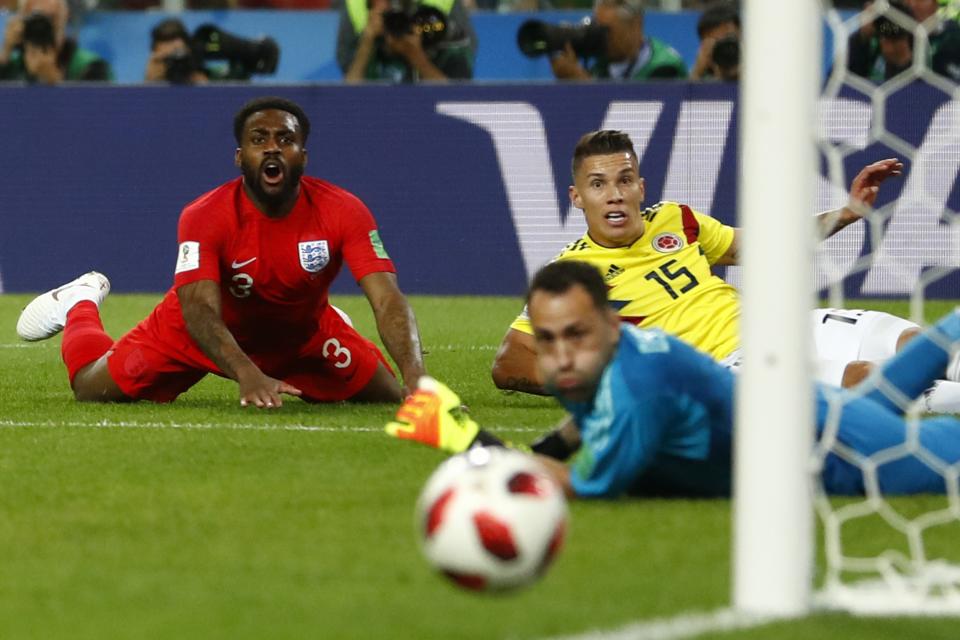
(343, 314)
(953, 367)
(943, 397)
(78, 294)
(69, 299)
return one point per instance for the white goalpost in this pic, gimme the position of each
(773, 513)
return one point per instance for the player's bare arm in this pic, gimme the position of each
(515, 365)
(396, 324)
(863, 194)
(559, 471)
(200, 302)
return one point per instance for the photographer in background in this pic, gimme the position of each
(172, 58)
(719, 56)
(630, 54)
(36, 47)
(880, 56)
(210, 54)
(405, 41)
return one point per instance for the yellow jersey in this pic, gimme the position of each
(664, 278)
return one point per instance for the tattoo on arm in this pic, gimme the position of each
(525, 385)
(398, 330)
(830, 222)
(206, 327)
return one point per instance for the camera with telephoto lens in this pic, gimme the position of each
(38, 30)
(726, 52)
(180, 66)
(428, 22)
(537, 38)
(244, 57)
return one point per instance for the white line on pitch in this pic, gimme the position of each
(25, 345)
(677, 628)
(133, 424)
(460, 347)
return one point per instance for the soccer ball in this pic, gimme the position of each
(491, 519)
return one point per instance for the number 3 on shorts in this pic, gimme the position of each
(333, 350)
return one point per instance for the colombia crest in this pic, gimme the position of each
(667, 242)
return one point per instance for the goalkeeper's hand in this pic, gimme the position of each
(434, 416)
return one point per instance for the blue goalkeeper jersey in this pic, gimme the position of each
(661, 422)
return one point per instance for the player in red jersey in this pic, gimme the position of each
(249, 300)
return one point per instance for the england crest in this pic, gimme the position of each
(314, 255)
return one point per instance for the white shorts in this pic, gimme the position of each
(841, 336)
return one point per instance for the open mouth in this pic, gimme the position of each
(616, 218)
(568, 383)
(272, 172)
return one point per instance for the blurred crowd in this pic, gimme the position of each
(888, 43)
(434, 40)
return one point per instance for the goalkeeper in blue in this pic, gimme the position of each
(651, 415)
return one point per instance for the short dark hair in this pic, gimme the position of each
(715, 15)
(269, 102)
(601, 143)
(167, 30)
(632, 8)
(560, 277)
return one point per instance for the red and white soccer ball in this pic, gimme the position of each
(491, 519)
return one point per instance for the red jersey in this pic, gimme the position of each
(274, 274)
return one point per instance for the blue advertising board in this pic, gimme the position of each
(468, 183)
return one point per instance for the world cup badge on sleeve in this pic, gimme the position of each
(314, 255)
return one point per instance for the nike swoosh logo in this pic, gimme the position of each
(55, 292)
(237, 265)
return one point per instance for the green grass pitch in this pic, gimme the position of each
(201, 519)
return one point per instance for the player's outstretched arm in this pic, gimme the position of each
(863, 194)
(200, 303)
(515, 365)
(396, 324)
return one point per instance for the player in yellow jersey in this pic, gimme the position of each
(667, 282)
(657, 265)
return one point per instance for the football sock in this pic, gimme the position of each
(84, 339)
(953, 368)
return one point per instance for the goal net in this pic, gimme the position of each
(880, 554)
(884, 554)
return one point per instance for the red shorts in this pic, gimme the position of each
(158, 364)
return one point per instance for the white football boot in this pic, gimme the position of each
(46, 314)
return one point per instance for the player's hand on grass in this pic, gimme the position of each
(866, 185)
(264, 392)
(434, 416)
